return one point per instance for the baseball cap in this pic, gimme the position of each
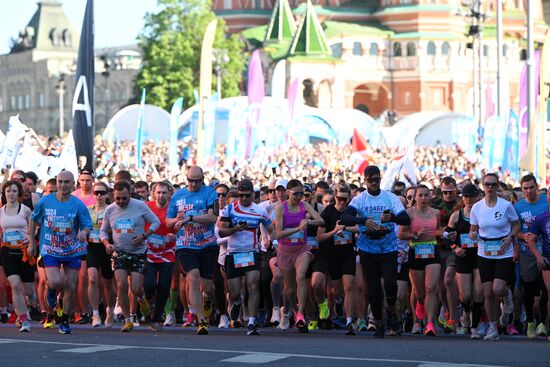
(470, 190)
(86, 172)
(281, 182)
(245, 185)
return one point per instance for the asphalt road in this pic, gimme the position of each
(178, 346)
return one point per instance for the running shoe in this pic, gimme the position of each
(144, 307)
(417, 328)
(492, 334)
(203, 328)
(285, 321)
(235, 312)
(84, 319)
(339, 322)
(51, 298)
(430, 329)
(511, 330)
(275, 316)
(313, 325)
(135, 320)
(465, 319)
(224, 322)
(349, 329)
(127, 326)
(324, 312)
(531, 330)
(43, 316)
(156, 326)
(541, 330)
(420, 311)
(251, 329)
(235, 324)
(170, 319)
(109, 320)
(362, 325)
(474, 335)
(49, 322)
(394, 324)
(371, 326)
(25, 326)
(96, 321)
(300, 320)
(409, 322)
(190, 320)
(482, 328)
(206, 309)
(64, 328)
(13, 319)
(450, 327)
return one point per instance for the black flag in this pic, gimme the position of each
(83, 100)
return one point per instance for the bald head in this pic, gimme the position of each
(65, 183)
(195, 177)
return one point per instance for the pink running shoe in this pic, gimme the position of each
(430, 329)
(300, 320)
(190, 320)
(511, 330)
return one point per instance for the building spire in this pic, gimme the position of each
(282, 24)
(310, 38)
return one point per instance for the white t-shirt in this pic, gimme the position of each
(493, 223)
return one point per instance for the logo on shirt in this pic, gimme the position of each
(498, 215)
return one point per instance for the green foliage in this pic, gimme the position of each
(171, 42)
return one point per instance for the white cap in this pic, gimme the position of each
(281, 182)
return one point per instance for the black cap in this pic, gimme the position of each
(371, 170)
(308, 188)
(86, 172)
(470, 190)
(245, 185)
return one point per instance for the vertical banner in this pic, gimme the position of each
(13, 142)
(511, 147)
(256, 93)
(173, 147)
(139, 130)
(205, 85)
(83, 100)
(278, 80)
(293, 102)
(524, 129)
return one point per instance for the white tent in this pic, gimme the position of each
(123, 125)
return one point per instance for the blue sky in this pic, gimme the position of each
(117, 22)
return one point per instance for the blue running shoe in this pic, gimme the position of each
(64, 328)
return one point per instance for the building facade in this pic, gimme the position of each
(401, 55)
(42, 63)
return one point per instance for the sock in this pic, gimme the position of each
(349, 320)
(493, 324)
(64, 318)
(191, 309)
(95, 312)
(251, 320)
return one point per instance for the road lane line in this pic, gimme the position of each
(255, 358)
(99, 348)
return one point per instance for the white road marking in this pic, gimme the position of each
(99, 348)
(255, 358)
(228, 351)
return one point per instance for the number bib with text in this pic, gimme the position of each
(467, 242)
(243, 259)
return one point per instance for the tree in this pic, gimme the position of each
(171, 42)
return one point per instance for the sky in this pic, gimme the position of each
(117, 22)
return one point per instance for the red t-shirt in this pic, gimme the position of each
(159, 250)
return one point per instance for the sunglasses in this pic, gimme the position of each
(193, 180)
(271, 191)
(297, 193)
(490, 184)
(374, 179)
(307, 194)
(222, 194)
(410, 197)
(122, 199)
(245, 195)
(449, 192)
(342, 198)
(100, 193)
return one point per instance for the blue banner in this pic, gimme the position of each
(511, 146)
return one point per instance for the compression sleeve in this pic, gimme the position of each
(350, 218)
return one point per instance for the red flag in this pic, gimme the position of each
(359, 146)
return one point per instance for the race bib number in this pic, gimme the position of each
(424, 250)
(467, 242)
(493, 248)
(94, 236)
(61, 225)
(297, 237)
(243, 259)
(124, 226)
(156, 241)
(13, 238)
(313, 243)
(343, 238)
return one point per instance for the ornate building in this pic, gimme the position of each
(42, 62)
(402, 55)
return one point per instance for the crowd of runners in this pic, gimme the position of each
(466, 257)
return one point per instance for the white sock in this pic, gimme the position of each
(349, 320)
(95, 312)
(251, 320)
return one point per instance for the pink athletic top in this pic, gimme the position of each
(417, 223)
(292, 220)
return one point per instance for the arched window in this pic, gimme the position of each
(397, 49)
(445, 49)
(357, 49)
(411, 49)
(431, 48)
(336, 50)
(373, 50)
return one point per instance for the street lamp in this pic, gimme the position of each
(106, 73)
(60, 87)
(220, 59)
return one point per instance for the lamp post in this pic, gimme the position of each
(60, 87)
(220, 59)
